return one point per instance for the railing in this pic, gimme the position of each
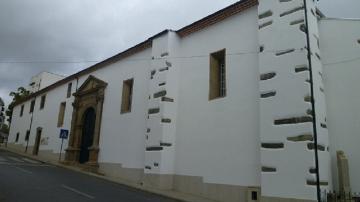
(333, 196)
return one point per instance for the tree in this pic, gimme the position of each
(19, 95)
(5, 129)
(2, 116)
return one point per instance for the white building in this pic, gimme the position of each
(43, 80)
(221, 108)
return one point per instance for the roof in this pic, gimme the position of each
(183, 32)
(217, 17)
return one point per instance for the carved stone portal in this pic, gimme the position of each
(86, 122)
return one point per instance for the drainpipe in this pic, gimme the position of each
(313, 106)
(31, 121)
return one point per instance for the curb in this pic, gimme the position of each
(181, 197)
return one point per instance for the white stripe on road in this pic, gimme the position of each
(15, 159)
(25, 164)
(29, 160)
(77, 191)
(23, 170)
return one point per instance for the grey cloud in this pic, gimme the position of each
(92, 30)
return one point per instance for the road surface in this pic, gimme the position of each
(26, 180)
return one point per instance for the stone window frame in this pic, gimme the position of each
(32, 106)
(69, 89)
(61, 115)
(42, 102)
(217, 74)
(127, 96)
(22, 110)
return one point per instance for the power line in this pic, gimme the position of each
(342, 61)
(144, 59)
(175, 57)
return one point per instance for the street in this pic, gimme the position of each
(23, 179)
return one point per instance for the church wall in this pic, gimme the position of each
(122, 136)
(218, 139)
(340, 55)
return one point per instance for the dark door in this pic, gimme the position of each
(87, 134)
(37, 142)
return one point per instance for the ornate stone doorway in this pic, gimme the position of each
(86, 123)
(87, 134)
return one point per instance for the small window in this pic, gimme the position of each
(254, 196)
(127, 95)
(217, 75)
(69, 90)
(61, 114)
(32, 106)
(42, 103)
(27, 135)
(17, 137)
(22, 110)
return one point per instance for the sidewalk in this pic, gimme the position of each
(50, 160)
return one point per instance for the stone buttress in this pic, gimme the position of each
(161, 118)
(287, 116)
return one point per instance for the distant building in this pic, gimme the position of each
(43, 80)
(249, 103)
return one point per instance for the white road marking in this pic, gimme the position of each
(15, 159)
(29, 160)
(25, 164)
(23, 170)
(77, 191)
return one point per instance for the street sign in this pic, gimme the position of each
(64, 134)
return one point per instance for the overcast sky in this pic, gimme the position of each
(43, 35)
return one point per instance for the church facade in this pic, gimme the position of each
(251, 103)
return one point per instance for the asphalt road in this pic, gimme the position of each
(26, 180)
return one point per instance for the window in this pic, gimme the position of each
(61, 114)
(32, 106)
(42, 103)
(69, 90)
(17, 137)
(254, 196)
(127, 95)
(22, 110)
(27, 135)
(217, 75)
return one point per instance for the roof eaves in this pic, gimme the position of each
(217, 17)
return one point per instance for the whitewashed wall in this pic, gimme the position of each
(211, 135)
(46, 79)
(45, 118)
(122, 135)
(219, 139)
(43, 80)
(20, 124)
(340, 56)
(286, 113)
(162, 110)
